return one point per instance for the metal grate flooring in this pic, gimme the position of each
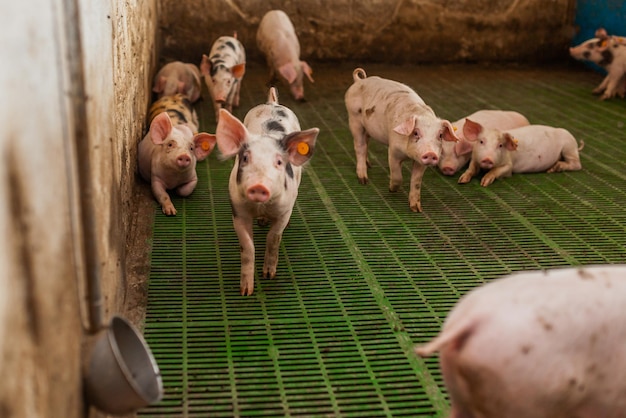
(361, 279)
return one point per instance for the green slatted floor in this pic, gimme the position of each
(361, 279)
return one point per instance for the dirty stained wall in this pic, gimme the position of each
(396, 31)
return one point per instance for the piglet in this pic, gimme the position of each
(270, 150)
(392, 113)
(277, 40)
(609, 52)
(541, 344)
(167, 158)
(178, 77)
(530, 149)
(223, 72)
(455, 155)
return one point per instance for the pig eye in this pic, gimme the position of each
(279, 161)
(500, 145)
(170, 144)
(481, 142)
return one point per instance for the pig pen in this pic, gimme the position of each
(361, 279)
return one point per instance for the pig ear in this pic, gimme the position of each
(238, 70)
(159, 84)
(300, 145)
(288, 72)
(471, 130)
(160, 128)
(462, 147)
(601, 33)
(205, 65)
(407, 127)
(448, 132)
(510, 143)
(203, 145)
(230, 133)
(307, 70)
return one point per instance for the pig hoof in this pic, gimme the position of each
(363, 180)
(247, 290)
(416, 207)
(169, 210)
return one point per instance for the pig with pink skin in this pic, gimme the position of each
(392, 113)
(609, 52)
(455, 155)
(530, 149)
(223, 70)
(178, 77)
(270, 151)
(277, 40)
(541, 344)
(167, 158)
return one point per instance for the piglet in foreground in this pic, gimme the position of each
(609, 52)
(530, 149)
(542, 344)
(392, 113)
(270, 151)
(277, 39)
(455, 155)
(178, 77)
(167, 157)
(223, 72)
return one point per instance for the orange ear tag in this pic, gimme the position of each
(205, 145)
(303, 148)
(455, 128)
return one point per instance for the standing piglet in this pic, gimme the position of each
(538, 345)
(178, 77)
(223, 72)
(455, 155)
(392, 113)
(277, 39)
(530, 149)
(270, 150)
(168, 153)
(609, 52)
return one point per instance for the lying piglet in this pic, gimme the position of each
(223, 72)
(455, 155)
(277, 40)
(178, 77)
(530, 149)
(167, 158)
(392, 113)
(270, 150)
(541, 344)
(179, 109)
(609, 52)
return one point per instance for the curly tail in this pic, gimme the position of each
(359, 74)
(581, 146)
(272, 96)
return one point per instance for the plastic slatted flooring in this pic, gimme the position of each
(361, 279)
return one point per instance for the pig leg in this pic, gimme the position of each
(571, 160)
(496, 173)
(395, 170)
(416, 186)
(602, 86)
(237, 90)
(160, 192)
(243, 228)
(614, 77)
(471, 171)
(187, 188)
(272, 245)
(360, 148)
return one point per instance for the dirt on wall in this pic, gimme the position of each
(398, 31)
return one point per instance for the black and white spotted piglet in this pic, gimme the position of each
(270, 150)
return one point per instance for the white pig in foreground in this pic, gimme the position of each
(543, 344)
(392, 113)
(223, 72)
(454, 155)
(168, 153)
(530, 149)
(277, 39)
(178, 77)
(270, 150)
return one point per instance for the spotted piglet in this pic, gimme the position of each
(223, 72)
(270, 150)
(392, 113)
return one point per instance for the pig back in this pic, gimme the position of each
(539, 147)
(277, 39)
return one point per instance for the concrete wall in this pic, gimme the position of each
(44, 119)
(395, 31)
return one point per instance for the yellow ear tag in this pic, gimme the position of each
(303, 148)
(515, 141)
(603, 44)
(455, 128)
(205, 145)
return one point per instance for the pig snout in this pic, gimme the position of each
(258, 193)
(183, 160)
(448, 170)
(486, 163)
(429, 158)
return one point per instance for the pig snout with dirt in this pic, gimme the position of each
(223, 70)
(541, 344)
(392, 113)
(609, 52)
(455, 155)
(167, 158)
(277, 39)
(178, 77)
(530, 149)
(270, 150)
